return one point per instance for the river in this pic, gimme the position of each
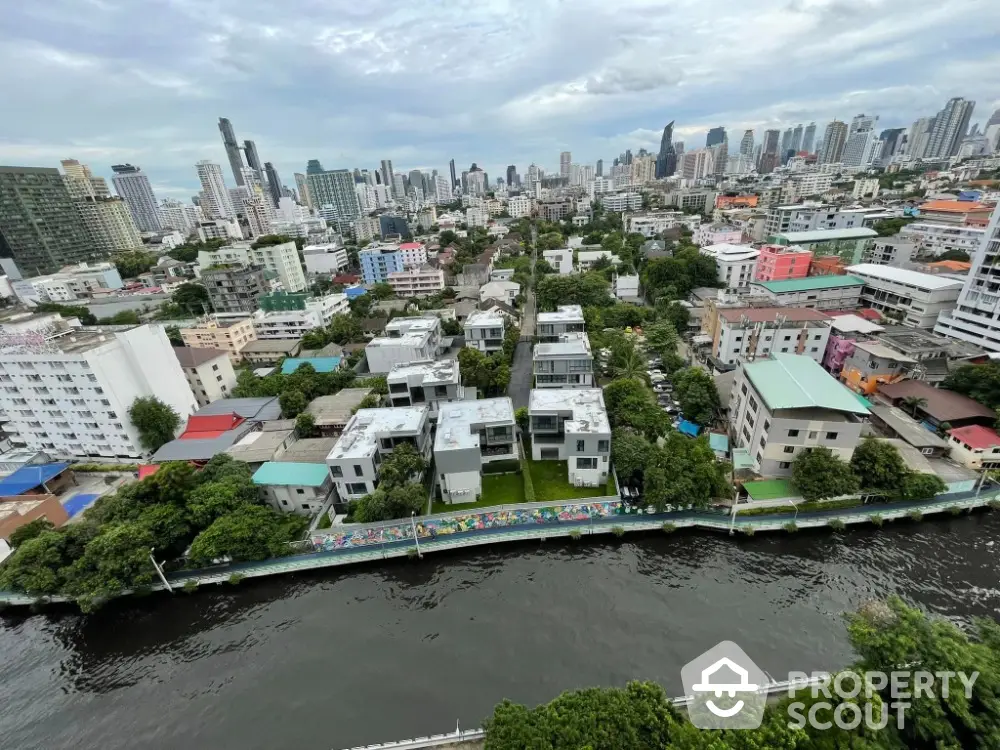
(341, 658)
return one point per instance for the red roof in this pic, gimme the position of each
(147, 470)
(868, 314)
(411, 245)
(345, 278)
(210, 426)
(976, 436)
(953, 207)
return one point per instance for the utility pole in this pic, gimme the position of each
(159, 570)
(413, 525)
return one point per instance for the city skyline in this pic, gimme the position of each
(158, 105)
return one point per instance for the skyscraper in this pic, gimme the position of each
(950, 126)
(919, 137)
(796, 139)
(715, 137)
(859, 149)
(110, 227)
(387, 174)
(334, 195)
(786, 145)
(769, 158)
(511, 175)
(809, 138)
(39, 227)
(834, 139)
(81, 183)
(253, 160)
(417, 180)
(600, 167)
(314, 167)
(273, 183)
(132, 184)
(303, 188)
(890, 143)
(216, 202)
(565, 161)
(232, 149)
(454, 178)
(666, 159)
(746, 144)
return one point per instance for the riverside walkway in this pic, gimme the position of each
(374, 548)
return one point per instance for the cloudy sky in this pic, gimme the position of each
(351, 82)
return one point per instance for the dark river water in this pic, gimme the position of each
(337, 659)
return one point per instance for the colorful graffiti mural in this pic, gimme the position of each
(429, 528)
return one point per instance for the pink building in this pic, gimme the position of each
(781, 262)
(845, 330)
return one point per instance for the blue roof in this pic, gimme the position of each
(320, 364)
(719, 443)
(688, 428)
(28, 477)
(353, 292)
(289, 473)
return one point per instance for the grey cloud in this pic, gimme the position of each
(621, 80)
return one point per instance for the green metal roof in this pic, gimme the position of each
(770, 489)
(291, 474)
(810, 283)
(793, 381)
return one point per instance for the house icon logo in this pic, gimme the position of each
(724, 689)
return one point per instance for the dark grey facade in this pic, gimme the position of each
(233, 288)
(232, 149)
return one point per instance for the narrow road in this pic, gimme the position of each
(521, 368)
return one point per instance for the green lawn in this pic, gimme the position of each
(804, 507)
(498, 489)
(551, 485)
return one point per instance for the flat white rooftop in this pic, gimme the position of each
(854, 324)
(569, 345)
(408, 339)
(361, 434)
(589, 256)
(484, 318)
(928, 281)
(586, 405)
(563, 314)
(455, 420)
(728, 251)
(430, 371)
(410, 325)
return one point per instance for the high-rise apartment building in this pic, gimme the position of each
(388, 175)
(834, 140)
(565, 163)
(454, 178)
(234, 288)
(746, 144)
(81, 183)
(333, 191)
(253, 160)
(216, 201)
(303, 188)
(715, 137)
(39, 225)
(861, 138)
(950, 126)
(132, 184)
(600, 168)
(232, 149)
(809, 138)
(796, 144)
(786, 145)
(666, 159)
(109, 225)
(273, 183)
(769, 157)
(919, 137)
(511, 175)
(975, 318)
(183, 217)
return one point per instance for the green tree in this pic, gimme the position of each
(879, 466)
(252, 532)
(978, 382)
(156, 422)
(388, 503)
(269, 240)
(631, 404)
(115, 560)
(631, 366)
(918, 486)
(522, 418)
(37, 567)
(955, 254)
(631, 454)
(214, 500)
(818, 473)
(361, 306)
(662, 338)
(447, 237)
(193, 298)
(381, 291)
(86, 317)
(305, 425)
(697, 395)
(315, 339)
(345, 329)
(123, 318)
(683, 472)
(133, 262)
(401, 466)
(913, 403)
(29, 531)
(169, 527)
(292, 403)
(674, 313)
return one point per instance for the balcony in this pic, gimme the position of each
(548, 439)
(498, 452)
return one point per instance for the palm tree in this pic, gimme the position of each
(913, 403)
(632, 365)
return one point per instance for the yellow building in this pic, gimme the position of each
(227, 332)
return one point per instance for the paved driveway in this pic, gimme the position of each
(520, 375)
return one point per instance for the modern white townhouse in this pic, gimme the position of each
(471, 434)
(735, 265)
(549, 326)
(912, 298)
(560, 259)
(566, 363)
(586, 259)
(68, 391)
(484, 330)
(368, 439)
(783, 406)
(572, 425)
(328, 258)
(290, 316)
(426, 382)
(404, 340)
(940, 238)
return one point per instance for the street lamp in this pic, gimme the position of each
(159, 570)
(413, 525)
(796, 517)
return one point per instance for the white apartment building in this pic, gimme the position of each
(426, 382)
(283, 260)
(622, 202)
(81, 281)
(565, 363)
(735, 264)
(653, 223)
(404, 340)
(294, 324)
(328, 258)
(209, 373)
(227, 332)
(940, 238)
(566, 319)
(519, 206)
(745, 334)
(368, 439)
(476, 216)
(500, 291)
(219, 229)
(560, 259)
(572, 425)
(626, 286)
(417, 282)
(413, 254)
(469, 435)
(216, 202)
(717, 234)
(889, 251)
(914, 299)
(587, 258)
(865, 187)
(484, 330)
(68, 391)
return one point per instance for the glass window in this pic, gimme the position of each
(789, 449)
(336, 471)
(831, 436)
(579, 445)
(586, 463)
(358, 471)
(793, 433)
(603, 446)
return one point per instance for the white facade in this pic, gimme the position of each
(484, 330)
(749, 340)
(560, 259)
(413, 254)
(293, 324)
(652, 224)
(82, 281)
(939, 238)
(622, 202)
(501, 291)
(219, 229)
(211, 379)
(216, 202)
(716, 234)
(470, 434)
(68, 392)
(133, 186)
(404, 340)
(626, 286)
(915, 299)
(735, 264)
(587, 258)
(417, 282)
(180, 216)
(519, 206)
(476, 216)
(572, 425)
(328, 258)
(282, 259)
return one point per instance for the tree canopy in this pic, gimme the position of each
(979, 382)
(818, 473)
(156, 422)
(697, 395)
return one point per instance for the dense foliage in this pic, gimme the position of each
(978, 382)
(399, 493)
(133, 262)
(156, 422)
(819, 473)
